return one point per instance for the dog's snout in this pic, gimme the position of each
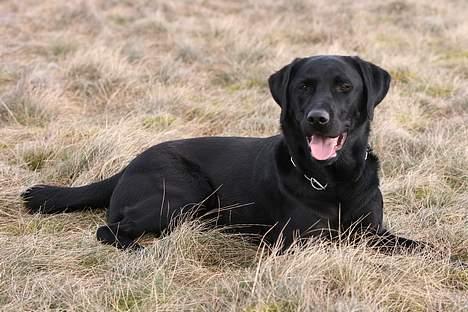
(318, 117)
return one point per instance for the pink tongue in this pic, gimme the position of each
(323, 148)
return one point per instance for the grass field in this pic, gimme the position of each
(87, 85)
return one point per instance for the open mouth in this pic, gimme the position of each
(325, 148)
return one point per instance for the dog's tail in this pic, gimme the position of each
(55, 199)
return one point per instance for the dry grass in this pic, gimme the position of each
(86, 85)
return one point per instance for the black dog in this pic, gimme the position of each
(318, 177)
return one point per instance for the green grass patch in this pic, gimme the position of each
(422, 192)
(149, 26)
(437, 90)
(456, 179)
(202, 114)
(404, 76)
(455, 55)
(158, 122)
(129, 301)
(36, 158)
(60, 48)
(388, 40)
(34, 226)
(415, 83)
(246, 84)
(414, 123)
(93, 260)
(7, 76)
(225, 79)
(121, 20)
(458, 277)
(280, 306)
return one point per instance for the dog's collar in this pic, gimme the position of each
(316, 185)
(313, 182)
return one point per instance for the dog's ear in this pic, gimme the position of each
(376, 83)
(279, 82)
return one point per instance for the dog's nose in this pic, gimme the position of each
(318, 117)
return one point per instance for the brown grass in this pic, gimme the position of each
(86, 85)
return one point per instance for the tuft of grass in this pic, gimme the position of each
(458, 277)
(92, 260)
(34, 226)
(441, 91)
(89, 80)
(455, 55)
(403, 75)
(158, 122)
(7, 76)
(26, 104)
(99, 81)
(35, 160)
(150, 26)
(286, 306)
(61, 49)
(187, 52)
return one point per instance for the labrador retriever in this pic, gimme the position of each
(318, 177)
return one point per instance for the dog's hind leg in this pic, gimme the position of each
(149, 204)
(115, 235)
(148, 216)
(137, 220)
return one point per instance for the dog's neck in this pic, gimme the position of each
(347, 168)
(352, 161)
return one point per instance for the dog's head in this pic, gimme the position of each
(326, 98)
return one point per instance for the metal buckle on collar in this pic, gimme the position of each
(316, 185)
(368, 150)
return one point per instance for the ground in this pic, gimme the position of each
(87, 85)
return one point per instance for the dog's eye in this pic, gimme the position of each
(305, 86)
(344, 87)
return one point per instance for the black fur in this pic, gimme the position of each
(271, 197)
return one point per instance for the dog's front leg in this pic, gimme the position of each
(363, 218)
(388, 242)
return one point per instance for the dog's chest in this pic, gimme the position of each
(315, 215)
